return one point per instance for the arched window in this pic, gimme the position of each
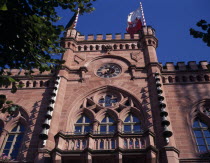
(107, 125)
(202, 135)
(131, 124)
(41, 83)
(13, 142)
(170, 79)
(83, 125)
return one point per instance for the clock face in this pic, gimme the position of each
(109, 70)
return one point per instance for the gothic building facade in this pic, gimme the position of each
(112, 102)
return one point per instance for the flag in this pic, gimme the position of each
(134, 22)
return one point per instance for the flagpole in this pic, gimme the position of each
(76, 20)
(142, 13)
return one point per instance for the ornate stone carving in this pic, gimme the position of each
(136, 56)
(107, 49)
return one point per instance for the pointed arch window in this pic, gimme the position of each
(202, 135)
(107, 125)
(131, 124)
(13, 141)
(83, 125)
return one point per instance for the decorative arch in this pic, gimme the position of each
(102, 113)
(77, 108)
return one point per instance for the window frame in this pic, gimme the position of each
(203, 136)
(82, 125)
(132, 123)
(16, 133)
(107, 124)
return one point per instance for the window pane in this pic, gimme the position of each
(208, 140)
(14, 129)
(200, 141)
(11, 137)
(110, 119)
(207, 133)
(104, 120)
(87, 128)
(22, 128)
(202, 148)
(6, 152)
(137, 143)
(87, 120)
(111, 128)
(19, 137)
(101, 145)
(198, 133)
(80, 120)
(135, 119)
(128, 119)
(127, 128)
(8, 145)
(113, 144)
(78, 128)
(108, 100)
(196, 124)
(203, 124)
(17, 145)
(14, 154)
(102, 128)
(136, 128)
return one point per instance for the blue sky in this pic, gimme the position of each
(171, 19)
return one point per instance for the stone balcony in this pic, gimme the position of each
(95, 141)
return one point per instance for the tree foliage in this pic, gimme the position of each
(204, 34)
(29, 36)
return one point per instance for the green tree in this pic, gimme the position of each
(204, 34)
(29, 36)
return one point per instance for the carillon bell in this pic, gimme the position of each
(162, 105)
(159, 90)
(163, 112)
(165, 121)
(167, 133)
(158, 84)
(46, 124)
(43, 135)
(160, 98)
(49, 114)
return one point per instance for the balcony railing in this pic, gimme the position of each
(103, 133)
(103, 140)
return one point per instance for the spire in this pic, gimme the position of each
(73, 21)
(142, 13)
